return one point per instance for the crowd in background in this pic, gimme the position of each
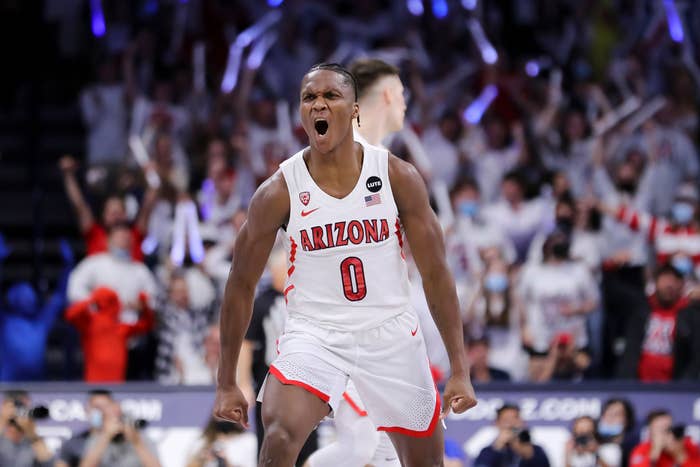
(558, 140)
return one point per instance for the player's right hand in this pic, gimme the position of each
(231, 405)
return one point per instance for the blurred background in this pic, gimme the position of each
(558, 139)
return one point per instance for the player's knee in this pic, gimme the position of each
(278, 438)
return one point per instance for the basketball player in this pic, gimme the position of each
(343, 207)
(381, 100)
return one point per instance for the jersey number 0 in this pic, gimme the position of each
(353, 275)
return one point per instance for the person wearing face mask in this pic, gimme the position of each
(114, 269)
(617, 432)
(491, 311)
(472, 233)
(674, 239)
(72, 450)
(557, 295)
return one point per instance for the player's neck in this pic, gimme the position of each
(342, 157)
(372, 125)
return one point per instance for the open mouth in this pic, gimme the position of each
(321, 127)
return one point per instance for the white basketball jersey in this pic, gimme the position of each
(347, 270)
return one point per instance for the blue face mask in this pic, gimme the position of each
(468, 208)
(682, 212)
(609, 430)
(95, 418)
(120, 253)
(682, 264)
(496, 283)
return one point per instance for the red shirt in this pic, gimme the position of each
(96, 241)
(656, 362)
(640, 456)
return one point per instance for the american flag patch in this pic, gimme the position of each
(371, 200)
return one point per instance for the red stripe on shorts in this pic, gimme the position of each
(353, 404)
(278, 374)
(414, 433)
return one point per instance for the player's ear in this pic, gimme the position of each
(355, 110)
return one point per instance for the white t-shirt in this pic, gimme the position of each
(104, 112)
(544, 289)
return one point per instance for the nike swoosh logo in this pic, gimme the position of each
(306, 213)
(413, 333)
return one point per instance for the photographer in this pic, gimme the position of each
(582, 448)
(513, 446)
(666, 445)
(19, 444)
(118, 443)
(72, 450)
(224, 444)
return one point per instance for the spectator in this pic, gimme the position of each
(557, 295)
(673, 240)
(72, 451)
(472, 233)
(686, 346)
(113, 212)
(103, 336)
(20, 446)
(224, 444)
(477, 348)
(513, 446)
(624, 254)
(492, 310)
(114, 269)
(104, 107)
(519, 218)
(443, 140)
(582, 448)
(617, 432)
(118, 442)
(666, 445)
(181, 333)
(656, 359)
(25, 325)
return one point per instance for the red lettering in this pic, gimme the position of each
(305, 242)
(340, 239)
(355, 233)
(317, 232)
(384, 234)
(370, 231)
(329, 235)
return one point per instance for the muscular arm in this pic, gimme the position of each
(427, 245)
(268, 211)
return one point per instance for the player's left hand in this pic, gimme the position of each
(458, 396)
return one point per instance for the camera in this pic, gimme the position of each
(138, 423)
(523, 435)
(583, 440)
(678, 431)
(38, 412)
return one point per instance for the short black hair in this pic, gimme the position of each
(368, 71)
(507, 406)
(100, 392)
(654, 414)
(348, 78)
(668, 268)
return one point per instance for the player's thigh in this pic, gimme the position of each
(415, 451)
(292, 409)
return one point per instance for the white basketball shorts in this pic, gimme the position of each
(388, 365)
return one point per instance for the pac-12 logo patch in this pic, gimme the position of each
(305, 197)
(374, 184)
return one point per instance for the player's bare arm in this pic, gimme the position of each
(425, 238)
(268, 211)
